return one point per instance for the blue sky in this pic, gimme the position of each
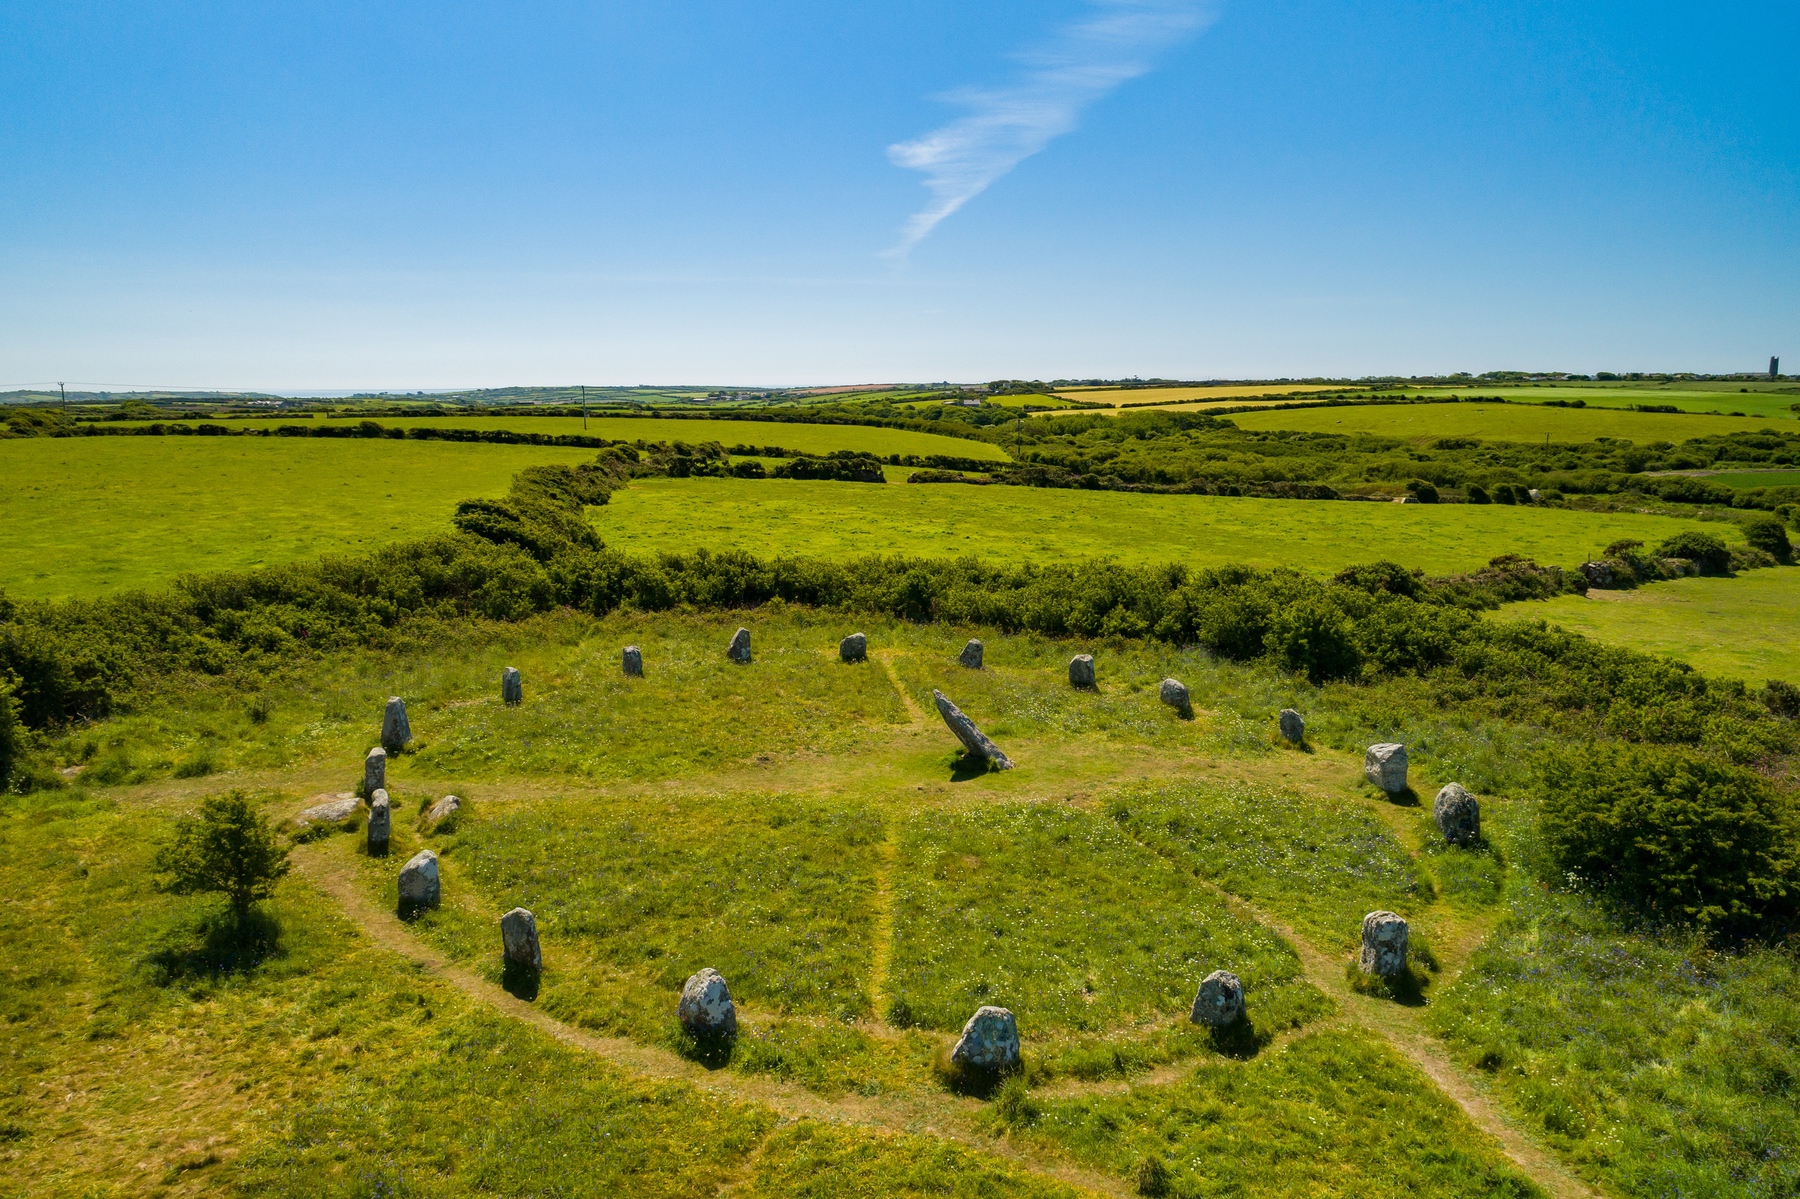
(399, 196)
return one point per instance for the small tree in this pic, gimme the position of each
(12, 747)
(1766, 534)
(229, 849)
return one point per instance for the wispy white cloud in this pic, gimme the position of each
(1003, 126)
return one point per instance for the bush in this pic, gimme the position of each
(1478, 494)
(1422, 491)
(1766, 534)
(1671, 836)
(1781, 698)
(229, 849)
(12, 737)
(1702, 548)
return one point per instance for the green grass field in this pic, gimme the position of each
(1751, 399)
(1503, 422)
(93, 515)
(1746, 627)
(1756, 478)
(1162, 396)
(1031, 524)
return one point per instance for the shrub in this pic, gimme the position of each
(1766, 534)
(12, 739)
(229, 849)
(1478, 494)
(1702, 548)
(1669, 835)
(1781, 698)
(1422, 491)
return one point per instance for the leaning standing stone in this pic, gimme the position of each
(512, 687)
(739, 649)
(419, 881)
(395, 732)
(1081, 671)
(854, 648)
(335, 809)
(971, 655)
(1385, 766)
(973, 739)
(518, 935)
(634, 662)
(989, 1041)
(1175, 694)
(381, 824)
(374, 771)
(1293, 727)
(1220, 1000)
(1384, 944)
(706, 1009)
(1458, 815)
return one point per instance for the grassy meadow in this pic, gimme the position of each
(1171, 396)
(1722, 397)
(1029, 524)
(1504, 422)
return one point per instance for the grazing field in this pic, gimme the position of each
(1502, 422)
(1753, 399)
(1164, 396)
(1029, 524)
(1746, 627)
(1755, 478)
(93, 515)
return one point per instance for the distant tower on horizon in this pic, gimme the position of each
(1774, 367)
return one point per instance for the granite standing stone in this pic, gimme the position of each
(854, 648)
(1220, 1000)
(739, 649)
(518, 936)
(1293, 726)
(334, 810)
(971, 655)
(1385, 766)
(512, 686)
(634, 662)
(989, 1041)
(973, 739)
(442, 810)
(395, 731)
(374, 771)
(419, 881)
(706, 1009)
(1175, 694)
(1081, 671)
(381, 823)
(1384, 944)
(1458, 815)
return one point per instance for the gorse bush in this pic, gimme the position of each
(11, 735)
(1670, 835)
(1767, 534)
(1703, 548)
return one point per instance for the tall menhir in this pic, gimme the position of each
(1774, 367)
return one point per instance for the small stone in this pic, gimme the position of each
(1458, 815)
(381, 823)
(1384, 944)
(518, 935)
(1598, 574)
(419, 881)
(395, 731)
(706, 1009)
(512, 686)
(374, 771)
(334, 810)
(1407, 499)
(971, 655)
(634, 662)
(442, 810)
(1536, 495)
(854, 648)
(973, 739)
(1220, 1000)
(1175, 694)
(1293, 726)
(989, 1041)
(1081, 671)
(1385, 766)
(739, 649)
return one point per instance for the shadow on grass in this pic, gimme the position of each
(712, 1052)
(1403, 799)
(1407, 988)
(1240, 1039)
(521, 982)
(969, 766)
(973, 1081)
(410, 911)
(217, 946)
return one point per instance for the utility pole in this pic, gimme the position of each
(65, 396)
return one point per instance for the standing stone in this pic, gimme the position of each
(989, 1041)
(1458, 815)
(518, 936)
(1385, 766)
(971, 655)
(512, 686)
(374, 771)
(1081, 671)
(395, 732)
(335, 809)
(634, 662)
(1293, 726)
(442, 810)
(739, 649)
(1175, 694)
(854, 648)
(706, 1009)
(1220, 1000)
(1384, 944)
(381, 824)
(419, 881)
(973, 739)
(1536, 495)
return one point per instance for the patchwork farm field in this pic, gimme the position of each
(1750, 399)
(824, 519)
(1169, 396)
(1504, 422)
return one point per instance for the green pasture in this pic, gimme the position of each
(1774, 399)
(1755, 478)
(1503, 422)
(92, 515)
(1747, 627)
(824, 519)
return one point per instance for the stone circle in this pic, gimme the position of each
(971, 655)
(512, 686)
(989, 1041)
(1383, 944)
(706, 1008)
(972, 738)
(395, 731)
(739, 649)
(1385, 766)
(374, 771)
(419, 881)
(854, 648)
(519, 939)
(1293, 726)
(1081, 671)
(1458, 815)
(381, 823)
(1174, 693)
(1220, 1000)
(634, 662)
